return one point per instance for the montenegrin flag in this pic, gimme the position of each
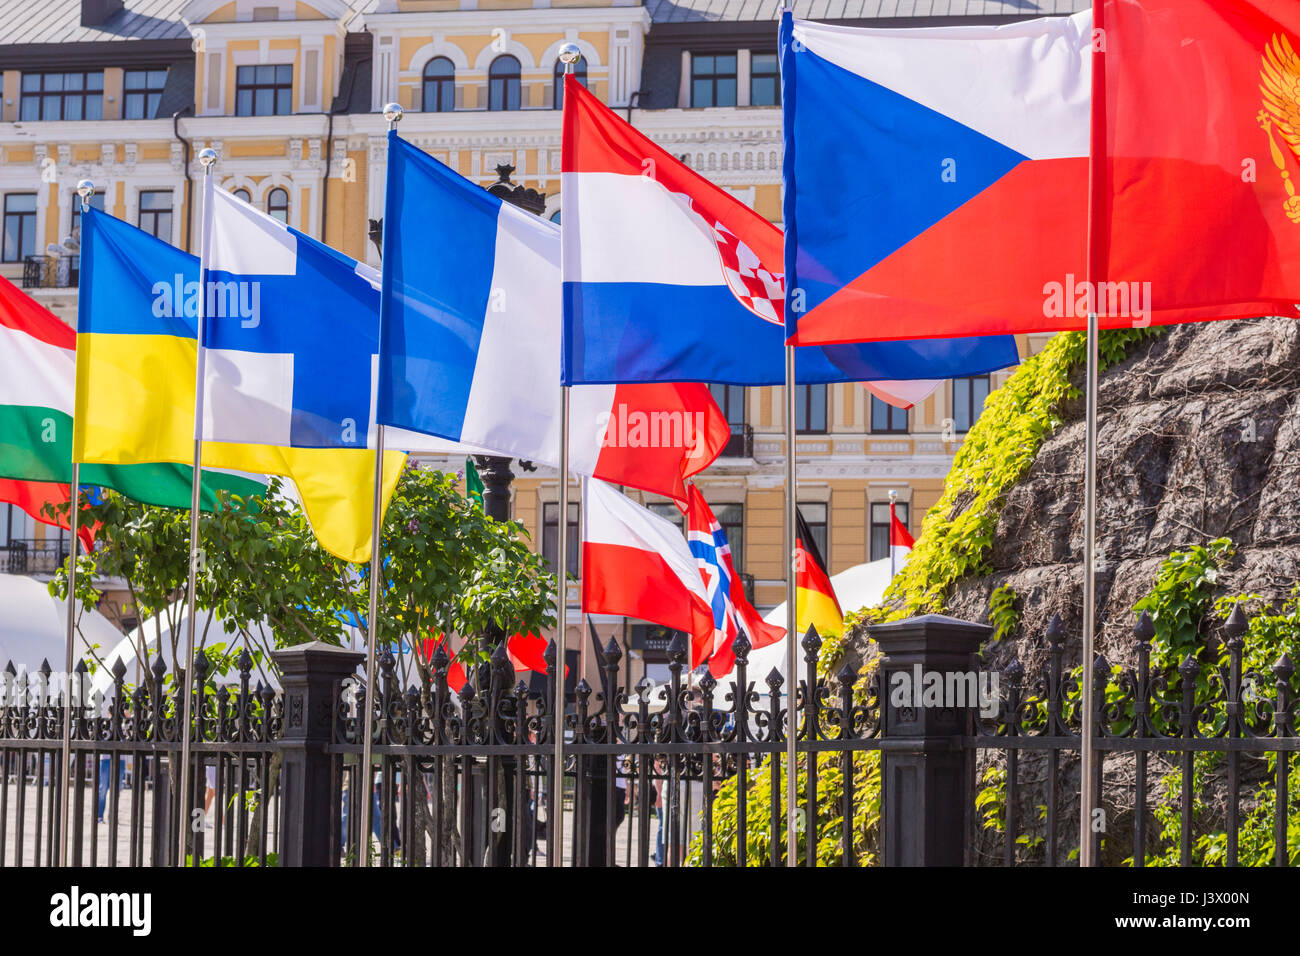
(37, 385)
(1198, 138)
(137, 356)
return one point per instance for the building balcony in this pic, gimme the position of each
(741, 442)
(30, 556)
(51, 272)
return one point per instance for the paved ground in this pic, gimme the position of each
(99, 847)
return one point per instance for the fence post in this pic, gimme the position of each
(926, 788)
(310, 675)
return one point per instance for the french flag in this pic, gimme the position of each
(637, 564)
(469, 346)
(668, 278)
(968, 194)
(732, 612)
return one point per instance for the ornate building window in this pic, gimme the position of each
(968, 396)
(277, 204)
(879, 545)
(579, 73)
(713, 79)
(141, 93)
(503, 83)
(887, 419)
(63, 96)
(439, 94)
(156, 213)
(265, 90)
(20, 226)
(810, 408)
(764, 80)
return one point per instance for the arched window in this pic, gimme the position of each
(244, 194)
(277, 204)
(439, 85)
(503, 83)
(579, 73)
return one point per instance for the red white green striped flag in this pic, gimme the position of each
(37, 385)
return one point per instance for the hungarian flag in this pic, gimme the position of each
(900, 541)
(38, 363)
(637, 564)
(1196, 133)
(815, 602)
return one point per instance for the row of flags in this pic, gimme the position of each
(1006, 180)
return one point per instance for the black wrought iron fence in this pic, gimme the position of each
(974, 766)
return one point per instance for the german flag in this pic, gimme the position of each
(815, 602)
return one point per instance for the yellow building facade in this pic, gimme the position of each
(289, 92)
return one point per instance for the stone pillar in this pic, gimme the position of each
(926, 789)
(311, 674)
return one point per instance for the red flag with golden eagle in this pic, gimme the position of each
(1196, 141)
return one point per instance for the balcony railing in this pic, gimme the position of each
(30, 556)
(51, 272)
(741, 442)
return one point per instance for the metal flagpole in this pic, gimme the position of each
(207, 157)
(1086, 808)
(85, 189)
(393, 114)
(791, 619)
(1096, 240)
(889, 541)
(569, 55)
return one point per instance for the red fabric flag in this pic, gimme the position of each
(33, 496)
(1196, 139)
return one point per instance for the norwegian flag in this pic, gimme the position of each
(732, 611)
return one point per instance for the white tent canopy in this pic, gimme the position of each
(857, 587)
(33, 626)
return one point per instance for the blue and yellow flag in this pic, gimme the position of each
(136, 371)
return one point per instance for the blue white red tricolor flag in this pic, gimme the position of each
(469, 347)
(969, 189)
(732, 611)
(668, 278)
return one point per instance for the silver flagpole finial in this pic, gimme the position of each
(393, 114)
(569, 56)
(207, 157)
(85, 189)
(893, 496)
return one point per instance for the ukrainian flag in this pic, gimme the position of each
(136, 370)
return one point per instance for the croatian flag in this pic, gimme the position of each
(732, 612)
(470, 342)
(967, 203)
(900, 542)
(668, 278)
(637, 564)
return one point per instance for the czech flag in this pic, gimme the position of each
(668, 278)
(968, 186)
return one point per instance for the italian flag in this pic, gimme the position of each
(37, 383)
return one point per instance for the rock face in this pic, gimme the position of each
(1199, 438)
